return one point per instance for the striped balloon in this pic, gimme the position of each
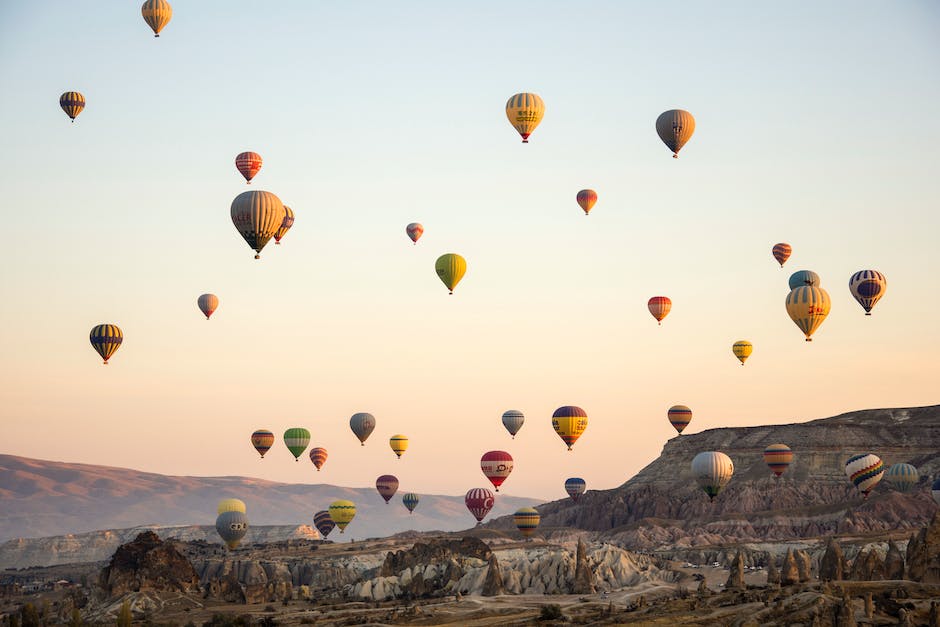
(868, 286)
(675, 128)
(72, 102)
(525, 111)
(808, 306)
(257, 215)
(208, 303)
(248, 163)
(712, 470)
(479, 501)
(513, 421)
(323, 523)
(387, 486)
(569, 422)
(679, 417)
(778, 458)
(496, 465)
(362, 425)
(232, 527)
(450, 269)
(410, 500)
(106, 339)
(230, 505)
(414, 231)
(527, 520)
(318, 456)
(286, 223)
(865, 471)
(781, 252)
(742, 349)
(659, 306)
(262, 440)
(575, 487)
(902, 477)
(297, 439)
(342, 512)
(804, 277)
(586, 200)
(157, 14)
(935, 491)
(399, 444)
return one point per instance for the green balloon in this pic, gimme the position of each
(296, 439)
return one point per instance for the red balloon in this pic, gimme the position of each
(496, 465)
(248, 163)
(479, 501)
(387, 485)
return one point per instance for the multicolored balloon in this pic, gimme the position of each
(586, 200)
(659, 306)
(675, 128)
(781, 252)
(867, 287)
(513, 421)
(804, 277)
(525, 111)
(712, 470)
(318, 456)
(808, 306)
(569, 422)
(208, 303)
(230, 505)
(399, 444)
(496, 465)
(323, 523)
(72, 102)
(257, 216)
(387, 486)
(414, 231)
(106, 339)
(902, 477)
(262, 440)
(248, 164)
(362, 425)
(479, 501)
(527, 520)
(410, 500)
(450, 269)
(232, 527)
(157, 14)
(286, 223)
(575, 487)
(342, 512)
(865, 471)
(297, 439)
(679, 417)
(778, 458)
(742, 349)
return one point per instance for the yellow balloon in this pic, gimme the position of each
(450, 268)
(157, 14)
(742, 349)
(399, 444)
(808, 306)
(342, 513)
(231, 505)
(569, 422)
(525, 111)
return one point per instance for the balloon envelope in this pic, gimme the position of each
(399, 444)
(865, 471)
(659, 307)
(527, 520)
(257, 215)
(496, 465)
(323, 523)
(742, 349)
(525, 111)
(208, 303)
(679, 417)
(342, 512)
(286, 223)
(803, 277)
(902, 477)
(450, 269)
(230, 505)
(72, 102)
(586, 200)
(318, 456)
(778, 458)
(296, 439)
(387, 486)
(232, 527)
(808, 306)
(867, 287)
(414, 231)
(106, 339)
(362, 424)
(575, 487)
(248, 164)
(675, 128)
(712, 470)
(262, 440)
(513, 421)
(410, 501)
(569, 422)
(479, 501)
(157, 14)
(781, 252)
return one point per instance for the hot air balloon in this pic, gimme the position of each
(387, 486)
(527, 520)
(342, 512)
(781, 252)
(399, 444)
(525, 111)
(414, 231)
(208, 303)
(935, 491)
(479, 501)
(868, 286)
(569, 422)
(230, 505)
(410, 501)
(575, 487)
(157, 14)
(675, 128)
(902, 477)
(106, 339)
(323, 523)
(513, 421)
(586, 200)
(804, 277)
(679, 417)
(659, 306)
(232, 527)
(286, 223)
(865, 471)
(257, 215)
(742, 349)
(248, 164)
(297, 439)
(778, 458)
(496, 465)
(362, 424)
(450, 268)
(712, 470)
(72, 102)
(262, 440)
(808, 306)
(318, 457)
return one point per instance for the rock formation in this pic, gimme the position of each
(148, 563)
(736, 576)
(493, 584)
(583, 577)
(867, 567)
(923, 553)
(436, 550)
(845, 613)
(830, 566)
(804, 565)
(894, 562)
(789, 574)
(773, 575)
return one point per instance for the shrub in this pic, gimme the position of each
(551, 612)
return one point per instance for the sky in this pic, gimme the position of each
(815, 125)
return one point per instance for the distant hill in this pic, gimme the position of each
(42, 498)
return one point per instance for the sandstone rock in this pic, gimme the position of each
(773, 575)
(923, 553)
(868, 567)
(736, 576)
(845, 614)
(583, 577)
(830, 567)
(437, 550)
(933, 619)
(148, 563)
(789, 574)
(904, 619)
(894, 562)
(804, 565)
(493, 584)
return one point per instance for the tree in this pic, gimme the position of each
(30, 615)
(76, 620)
(124, 617)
